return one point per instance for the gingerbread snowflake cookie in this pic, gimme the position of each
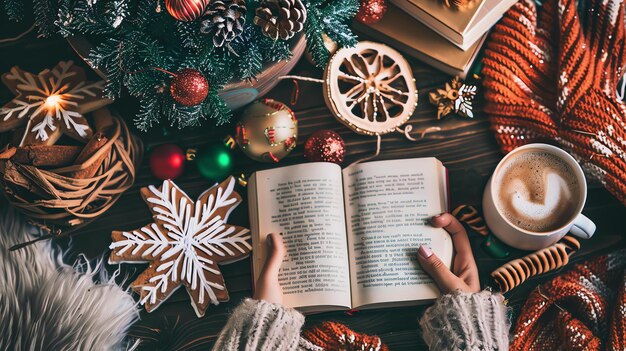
(51, 103)
(184, 244)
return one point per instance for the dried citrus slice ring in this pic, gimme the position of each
(370, 88)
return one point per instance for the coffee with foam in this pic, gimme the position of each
(537, 191)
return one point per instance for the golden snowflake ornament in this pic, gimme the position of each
(456, 98)
(184, 245)
(51, 103)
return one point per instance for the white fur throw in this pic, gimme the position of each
(46, 304)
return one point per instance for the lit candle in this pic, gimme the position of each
(53, 100)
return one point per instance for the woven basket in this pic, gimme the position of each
(55, 200)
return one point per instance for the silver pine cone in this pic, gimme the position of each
(224, 20)
(280, 18)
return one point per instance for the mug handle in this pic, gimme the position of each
(583, 227)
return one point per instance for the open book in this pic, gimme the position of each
(352, 236)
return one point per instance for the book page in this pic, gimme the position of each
(387, 206)
(305, 203)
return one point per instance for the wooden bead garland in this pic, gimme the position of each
(514, 273)
(469, 215)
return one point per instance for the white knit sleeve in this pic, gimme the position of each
(467, 321)
(261, 326)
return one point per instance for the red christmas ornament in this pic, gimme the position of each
(189, 87)
(371, 11)
(325, 145)
(167, 161)
(186, 10)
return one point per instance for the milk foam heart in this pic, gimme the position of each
(555, 191)
(537, 191)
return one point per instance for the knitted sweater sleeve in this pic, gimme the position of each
(467, 321)
(258, 325)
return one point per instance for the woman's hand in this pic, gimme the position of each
(464, 274)
(267, 287)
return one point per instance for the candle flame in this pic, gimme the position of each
(53, 100)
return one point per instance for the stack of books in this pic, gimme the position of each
(444, 37)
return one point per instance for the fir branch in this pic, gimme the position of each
(82, 17)
(14, 9)
(336, 17)
(187, 32)
(330, 17)
(314, 29)
(340, 10)
(108, 56)
(341, 34)
(146, 83)
(152, 54)
(45, 15)
(149, 113)
(213, 63)
(215, 108)
(182, 116)
(271, 50)
(130, 39)
(143, 16)
(250, 60)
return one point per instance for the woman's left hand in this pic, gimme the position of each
(267, 287)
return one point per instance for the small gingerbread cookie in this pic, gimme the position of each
(184, 244)
(51, 103)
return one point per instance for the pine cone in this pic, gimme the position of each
(224, 20)
(280, 18)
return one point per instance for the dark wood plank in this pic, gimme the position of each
(466, 147)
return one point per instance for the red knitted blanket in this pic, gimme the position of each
(550, 75)
(584, 309)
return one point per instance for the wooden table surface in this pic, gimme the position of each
(465, 146)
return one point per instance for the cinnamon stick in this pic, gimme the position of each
(46, 155)
(7, 152)
(94, 145)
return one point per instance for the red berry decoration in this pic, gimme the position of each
(186, 10)
(167, 161)
(325, 145)
(189, 87)
(371, 11)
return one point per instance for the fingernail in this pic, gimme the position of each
(270, 241)
(425, 251)
(439, 215)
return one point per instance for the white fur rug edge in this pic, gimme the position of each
(46, 304)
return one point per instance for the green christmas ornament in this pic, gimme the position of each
(214, 161)
(495, 248)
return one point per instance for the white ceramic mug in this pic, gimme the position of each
(521, 238)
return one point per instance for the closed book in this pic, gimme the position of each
(410, 36)
(462, 27)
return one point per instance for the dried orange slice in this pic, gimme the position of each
(370, 88)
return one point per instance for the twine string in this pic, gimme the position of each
(409, 128)
(295, 94)
(18, 37)
(306, 79)
(367, 158)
